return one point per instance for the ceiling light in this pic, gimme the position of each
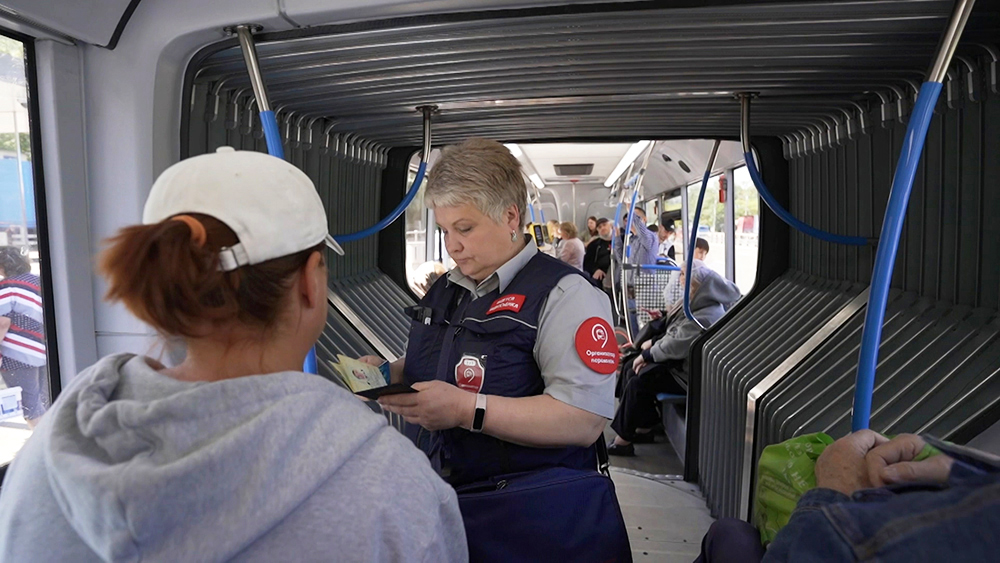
(631, 154)
(514, 150)
(537, 181)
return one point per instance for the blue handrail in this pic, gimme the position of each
(694, 235)
(690, 248)
(790, 219)
(388, 219)
(614, 235)
(531, 208)
(272, 136)
(660, 267)
(628, 225)
(885, 256)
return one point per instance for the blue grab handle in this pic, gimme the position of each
(628, 225)
(690, 251)
(885, 256)
(614, 235)
(272, 135)
(531, 208)
(274, 148)
(396, 213)
(309, 366)
(790, 219)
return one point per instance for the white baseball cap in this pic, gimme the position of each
(272, 206)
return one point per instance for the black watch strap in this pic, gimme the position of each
(480, 416)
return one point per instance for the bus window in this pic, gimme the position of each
(747, 226)
(711, 224)
(24, 357)
(426, 258)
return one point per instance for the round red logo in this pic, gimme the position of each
(597, 346)
(469, 374)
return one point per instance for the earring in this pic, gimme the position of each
(513, 235)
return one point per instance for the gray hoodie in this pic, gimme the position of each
(714, 297)
(132, 465)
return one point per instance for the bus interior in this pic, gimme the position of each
(604, 104)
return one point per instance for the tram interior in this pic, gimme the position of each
(579, 84)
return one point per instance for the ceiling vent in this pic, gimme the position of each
(573, 169)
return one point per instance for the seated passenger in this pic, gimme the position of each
(652, 371)
(234, 454)
(425, 275)
(872, 502)
(571, 250)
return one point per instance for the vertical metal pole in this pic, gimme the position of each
(685, 220)
(245, 34)
(730, 226)
(268, 121)
(20, 181)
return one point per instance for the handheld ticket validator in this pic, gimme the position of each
(537, 231)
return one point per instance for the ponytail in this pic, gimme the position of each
(168, 276)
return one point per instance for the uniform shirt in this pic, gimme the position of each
(571, 302)
(21, 302)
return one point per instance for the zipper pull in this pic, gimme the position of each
(501, 485)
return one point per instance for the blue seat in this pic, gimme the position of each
(670, 398)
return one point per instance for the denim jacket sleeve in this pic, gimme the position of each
(809, 534)
(916, 522)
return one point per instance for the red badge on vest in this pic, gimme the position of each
(469, 374)
(597, 345)
(511, 302)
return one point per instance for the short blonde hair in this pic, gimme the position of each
(568, 230)
(480, 172)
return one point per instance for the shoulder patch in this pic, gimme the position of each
(512, 302)
(597, 346)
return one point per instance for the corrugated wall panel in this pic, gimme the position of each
(950, 249)
(348, 177)
(938, 364)
(741, 354)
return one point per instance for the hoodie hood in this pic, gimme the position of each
(714, 297)
(713, 291)
(145, 467)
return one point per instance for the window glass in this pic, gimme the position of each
(746, 205)
(711, 224)
(422, 267)
(24, 389)
(674, 204)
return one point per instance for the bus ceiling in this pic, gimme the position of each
(600, 72)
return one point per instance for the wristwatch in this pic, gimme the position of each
(480, 416)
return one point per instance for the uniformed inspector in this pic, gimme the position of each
(512, 352)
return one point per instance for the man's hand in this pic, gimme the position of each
(639, 363)
(647, 345)
(892, 462)
(599, 275)
(436, 406)
(842, 466)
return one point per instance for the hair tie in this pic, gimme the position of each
(198, 234)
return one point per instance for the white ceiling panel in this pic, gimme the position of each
(91, 21)
(545, 157)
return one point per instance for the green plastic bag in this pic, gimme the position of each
(785, 472)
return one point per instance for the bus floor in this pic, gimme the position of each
(665, 516)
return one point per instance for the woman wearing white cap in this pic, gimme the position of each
(234, 454)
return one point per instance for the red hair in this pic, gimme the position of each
(174, 284)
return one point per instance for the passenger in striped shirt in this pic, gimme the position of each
(22, 343)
